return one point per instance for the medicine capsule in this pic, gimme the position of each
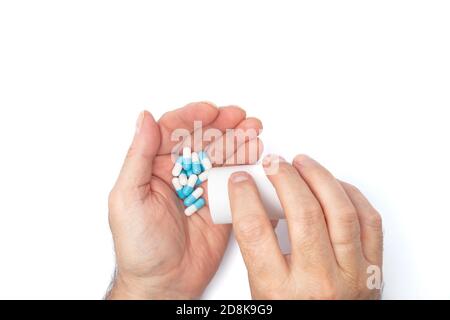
(183, 178)
(204, 159)
(202, 177)
(189, 187)
(189, 173)
(177, 167)
(196, 165)
(194, 207)
(178, 188)
(197, 193)
(187, 159)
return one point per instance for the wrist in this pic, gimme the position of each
(134, 288)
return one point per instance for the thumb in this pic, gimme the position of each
(137, 168)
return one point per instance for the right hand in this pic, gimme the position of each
(335, 235)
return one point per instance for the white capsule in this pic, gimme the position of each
(176, 184)
(183, 178)
(197, 205)
(177, 167)
(204, 159)
(202, 177)
(189, 187)
(192, 180)
(189, 211)
(178, 188)
(197, 193)
(196, 165)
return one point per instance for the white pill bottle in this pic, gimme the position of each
(218, 200)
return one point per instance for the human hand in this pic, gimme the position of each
(335, 234)
(160, 252)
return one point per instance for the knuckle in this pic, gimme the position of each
(346, 243)
(353, 189)
(284, 169)
(250, 229)
(347, 216)
(310, 214)
(375, 221)
(347, 238)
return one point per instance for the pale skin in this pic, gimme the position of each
(161, 254)
(335, 234)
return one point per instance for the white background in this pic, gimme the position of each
(362, 86)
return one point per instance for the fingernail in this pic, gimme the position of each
(303, 160)
(212, 104)
(239, 177)
(271, 159)
(139, 121)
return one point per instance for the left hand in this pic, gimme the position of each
(160, 252)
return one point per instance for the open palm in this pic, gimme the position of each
(160, 252)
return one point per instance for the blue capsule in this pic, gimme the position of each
(187, 190)
(204, 160)
(178, 188)
(178, 166)
(196, 165)
(181, 194)
(189, 187)
(189, 173)
(197, 205)
(197, 193)
(187, 159)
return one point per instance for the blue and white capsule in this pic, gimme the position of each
(178, 188)
(177, 167)
(196, 165)
(183, 178)
(197, 193)
(187, 159)
(204, 159)
(189, 187)
(193, 208)
(189, 173)
(202, 177)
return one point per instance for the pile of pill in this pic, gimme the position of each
(189, 171)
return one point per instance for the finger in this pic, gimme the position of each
(340, 214)
(253, 230)
(224, 146)
(370, 223)
(248, 153)
(229, 118)
(180, 122)
(205, 214)
(306, 224)
(185, 126)
(247, 148)
(164, 163)
(137, 168)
